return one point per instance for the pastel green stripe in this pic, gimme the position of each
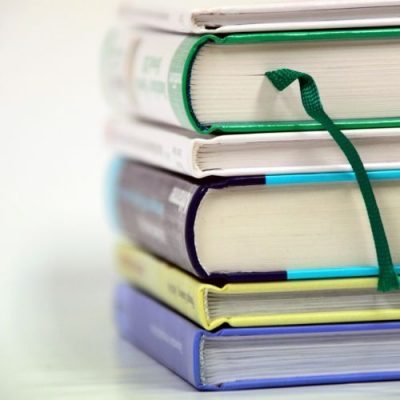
(283, 78)
(177, 81)
(336, 34)
(339, 34)
(296, 126)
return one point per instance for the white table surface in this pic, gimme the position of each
(57, 339)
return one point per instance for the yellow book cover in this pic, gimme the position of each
(257, 304)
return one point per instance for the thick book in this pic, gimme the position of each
(217, 84)
(222, 16)
(188, 153)
(311, 301)
(254, 227)
(258, 357)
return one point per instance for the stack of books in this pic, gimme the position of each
(257, 250)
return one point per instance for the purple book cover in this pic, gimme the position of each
(157, 209)
(175, 342)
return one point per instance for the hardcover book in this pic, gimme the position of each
(257, 226)
(188, 153)
(265, 303)
(222, 16)
(259, 357)
(218, 84)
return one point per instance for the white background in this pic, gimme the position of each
(55, 243)
(52, 115)
(56, 267)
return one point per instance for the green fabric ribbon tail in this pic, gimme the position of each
(281, 79)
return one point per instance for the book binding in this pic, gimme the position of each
(161, 78)
(177, 343)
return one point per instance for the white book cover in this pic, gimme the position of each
(188, 153)
(227, 16)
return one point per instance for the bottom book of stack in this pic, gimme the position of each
(239, 358)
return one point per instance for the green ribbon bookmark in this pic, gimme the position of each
(281, 79)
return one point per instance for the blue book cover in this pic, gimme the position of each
(289, 356)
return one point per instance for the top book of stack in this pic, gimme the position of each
(228, 16)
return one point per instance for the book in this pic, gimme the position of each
(217, 84)
(265, 303)
(258, 357)
(216, 16)
(252, 227)
(188, 153)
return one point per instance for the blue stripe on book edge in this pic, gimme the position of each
(339, 272)
(112, 176)
(297, 179)
(308, 380)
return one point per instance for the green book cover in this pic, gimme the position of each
(164, 65)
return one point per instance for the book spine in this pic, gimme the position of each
(118, 47)
(169, 284)
(164, 16)
(145, 75)
(155, 146)
(162, 334)
(150, 207)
